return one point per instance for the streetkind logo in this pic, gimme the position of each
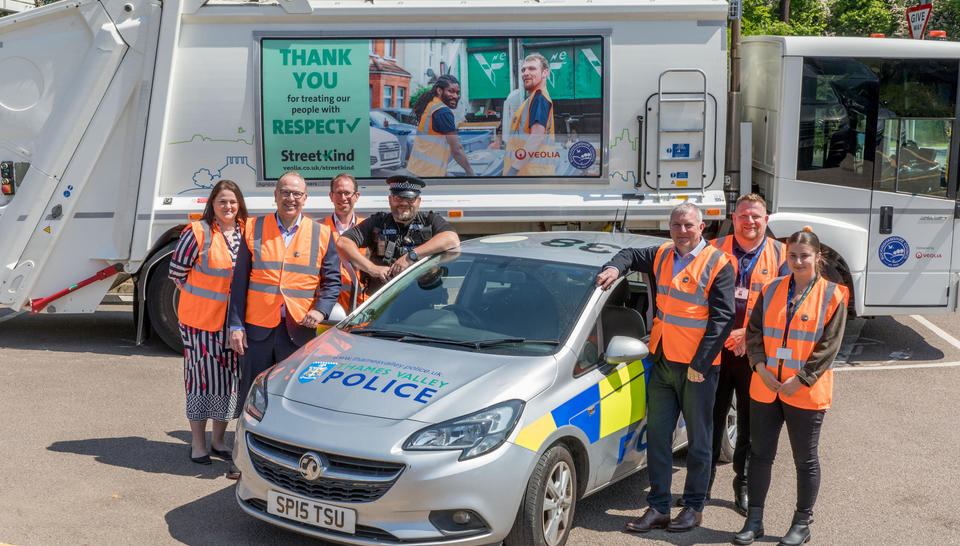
(522, 154)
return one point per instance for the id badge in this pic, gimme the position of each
(741, 293)
(784, 353)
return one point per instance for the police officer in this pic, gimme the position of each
(398, 238)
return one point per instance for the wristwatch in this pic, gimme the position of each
(412, 256)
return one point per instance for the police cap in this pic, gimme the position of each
(405, 185)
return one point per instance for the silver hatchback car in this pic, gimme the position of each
(475, 399)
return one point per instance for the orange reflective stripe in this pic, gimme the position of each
(350, 286)
(800, 337)
(683, 302)
(544, 162)
(767, 267)
(431, 152)
(204, 295)
(287, 275)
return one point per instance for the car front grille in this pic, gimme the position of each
(347, 479)
(386, 147)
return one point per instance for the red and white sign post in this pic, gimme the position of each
(918, 16)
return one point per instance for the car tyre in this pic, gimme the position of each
(729, 440)
(162, 300)
(546, 513)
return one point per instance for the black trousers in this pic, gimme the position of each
(261, 354)
(803, 428)
(735, 377)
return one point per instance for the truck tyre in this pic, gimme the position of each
(546, 512)
(729, 440)
(162, 299)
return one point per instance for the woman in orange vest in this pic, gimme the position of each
(793, 336)
(202, 266)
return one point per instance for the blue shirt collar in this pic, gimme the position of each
(293, 228)
(693, 253)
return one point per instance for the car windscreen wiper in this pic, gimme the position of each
(481, 343)
(377, 332)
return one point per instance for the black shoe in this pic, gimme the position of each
(203, 459)
(225, 454)
(752, 528)
(233, 473)
(798, 534)
(740, 499)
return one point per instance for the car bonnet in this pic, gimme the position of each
(399, 380)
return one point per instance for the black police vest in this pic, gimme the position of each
(391, 240)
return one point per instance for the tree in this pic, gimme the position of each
(863, 17)
(807, 18)
(946, 16)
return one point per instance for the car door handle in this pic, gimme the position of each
(886, 219)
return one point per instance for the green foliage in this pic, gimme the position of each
(946, 16)
(862, 17)
(807, 18)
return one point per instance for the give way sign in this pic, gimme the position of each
(918, 17)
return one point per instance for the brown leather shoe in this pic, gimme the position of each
(687, 519)
(651, 519)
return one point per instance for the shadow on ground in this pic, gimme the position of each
(885, 339)
(146, 455)
(104, 332)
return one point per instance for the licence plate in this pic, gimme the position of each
(390, 155)
(312, 512)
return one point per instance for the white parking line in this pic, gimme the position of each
(935, 329)
(896, 367)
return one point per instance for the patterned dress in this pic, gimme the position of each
(210, 367)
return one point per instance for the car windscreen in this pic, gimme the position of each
(497, 304)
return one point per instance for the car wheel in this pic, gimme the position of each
(162, 300)
(546, 513)
(729, 440)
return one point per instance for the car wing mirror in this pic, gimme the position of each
(626, 349)
(336, 315)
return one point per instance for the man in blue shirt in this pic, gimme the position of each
(437, 137)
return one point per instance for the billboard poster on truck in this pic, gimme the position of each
(519, 108)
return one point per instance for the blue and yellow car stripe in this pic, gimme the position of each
(619, 400)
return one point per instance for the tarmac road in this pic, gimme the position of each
(95, 447)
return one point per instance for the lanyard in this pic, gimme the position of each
(793, 309)
(747, 272)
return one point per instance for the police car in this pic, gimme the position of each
(476, 398)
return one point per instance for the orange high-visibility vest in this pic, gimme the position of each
(543, 161)
(288, 275)
(682, 302)
(431, 152)
(805, 330)
(348, 276)
(767, 267)
(203, 298)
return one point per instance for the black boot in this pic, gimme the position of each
(752, 528)
(799, 532)
(740, 500)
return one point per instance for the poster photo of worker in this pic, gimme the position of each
(519, 109)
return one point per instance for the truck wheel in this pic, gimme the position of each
(729, 440)
(546, 513)
(162, 299)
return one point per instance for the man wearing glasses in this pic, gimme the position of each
(344, 194)
(285, 282)
(397, 238)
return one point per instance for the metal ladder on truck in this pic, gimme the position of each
(681, 134)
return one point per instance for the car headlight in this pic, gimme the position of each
(257, 399)
(475, 434)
